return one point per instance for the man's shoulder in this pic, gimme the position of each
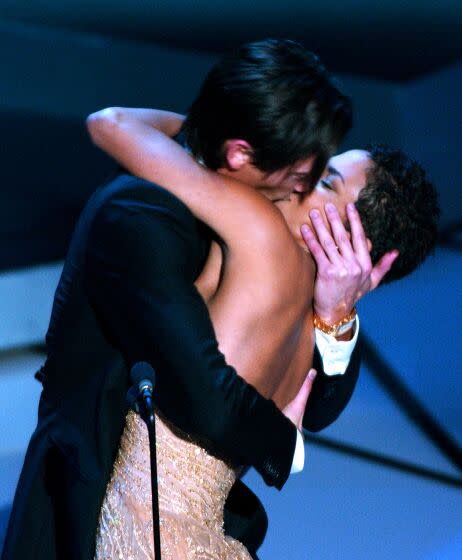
(130, 191)
(130, 204)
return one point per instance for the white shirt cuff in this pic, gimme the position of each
(335, 354)
(299, 456)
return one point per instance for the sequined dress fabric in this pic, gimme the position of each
(193, 486)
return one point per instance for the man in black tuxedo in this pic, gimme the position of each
(126, 294)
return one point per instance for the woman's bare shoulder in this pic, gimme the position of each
(258, 221)
(261, 248)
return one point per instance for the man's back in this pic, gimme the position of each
(127, 295)
(83, 404)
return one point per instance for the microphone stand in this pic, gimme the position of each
(139, 397)
(149, 418)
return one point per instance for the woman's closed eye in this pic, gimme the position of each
(328, 184)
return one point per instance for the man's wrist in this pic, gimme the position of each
(335, 353)
(349, 333)
(333, 315)
(337, 328)
(299, 454)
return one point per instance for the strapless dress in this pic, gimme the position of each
(193, 486)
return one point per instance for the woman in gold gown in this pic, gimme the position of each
(258, 286)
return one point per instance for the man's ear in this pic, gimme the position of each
(237, 154)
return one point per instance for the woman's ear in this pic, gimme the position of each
(238, 153)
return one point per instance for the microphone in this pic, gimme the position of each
(143, 378)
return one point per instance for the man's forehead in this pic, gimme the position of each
(304, 166)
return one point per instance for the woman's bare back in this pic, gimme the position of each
(269, 340)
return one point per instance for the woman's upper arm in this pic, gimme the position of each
(235, 211)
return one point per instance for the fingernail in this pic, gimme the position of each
(312, 374)
(330, 207)
(314, 213)
(305, 229)
(350, 206)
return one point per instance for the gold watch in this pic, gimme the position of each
(337, 329)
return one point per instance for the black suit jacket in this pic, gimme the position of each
(126, 294)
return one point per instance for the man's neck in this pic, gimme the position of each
(246, 178)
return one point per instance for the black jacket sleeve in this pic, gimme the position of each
(330, 394)
(141, 262)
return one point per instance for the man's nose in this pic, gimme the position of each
(301, 188)
(305, 187)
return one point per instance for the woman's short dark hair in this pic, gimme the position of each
(278, 97)
(399, 210)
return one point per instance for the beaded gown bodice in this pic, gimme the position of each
(193, 486)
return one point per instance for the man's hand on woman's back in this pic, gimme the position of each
(295, 410)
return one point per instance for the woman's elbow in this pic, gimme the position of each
(102, 124)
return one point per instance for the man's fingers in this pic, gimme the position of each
(361, 244)
(325, 237)
(302, 397)
(315, 248)
(305, 389)
(295, 410)
(338, 229)
(358, 236)
(382, 267)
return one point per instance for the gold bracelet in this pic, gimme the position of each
(336, 329)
